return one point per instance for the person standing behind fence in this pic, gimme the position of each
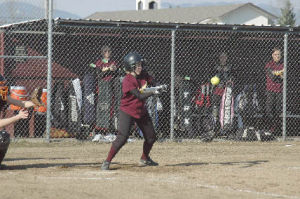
(132, 109)
(224, 73)
(274, 77)
(22, 114)
(108, 71)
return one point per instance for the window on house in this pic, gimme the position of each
(152, 5)
(140, 5)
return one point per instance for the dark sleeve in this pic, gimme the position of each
(238, 84)
(112, 73)
(3, 106)
(139, 95)
(153, 82)
(102, 74)
(149, 78)
(108, 73)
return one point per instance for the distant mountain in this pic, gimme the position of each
(19, 11)
(273, 10)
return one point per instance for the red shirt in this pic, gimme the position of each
(270, 84)
(129, 103)
(100, 64)
(219, 91)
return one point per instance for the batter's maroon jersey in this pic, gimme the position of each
(130, 104)
(270, 84)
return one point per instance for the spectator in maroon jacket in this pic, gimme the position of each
(107, 71)
(274, 76)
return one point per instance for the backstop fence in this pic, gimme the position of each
(250, 103)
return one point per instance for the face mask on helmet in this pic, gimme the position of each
(3, 88)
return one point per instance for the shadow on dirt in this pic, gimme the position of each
(244, 164)
(18, 159)
(117, 165)
(47, 165)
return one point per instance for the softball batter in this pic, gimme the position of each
(132, 109)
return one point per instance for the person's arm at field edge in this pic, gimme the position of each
(21, 115)
(24, 104)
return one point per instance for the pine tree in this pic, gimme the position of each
(287, 15)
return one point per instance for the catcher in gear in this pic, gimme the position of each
(23, 114)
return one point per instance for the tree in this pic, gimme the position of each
(287, 15)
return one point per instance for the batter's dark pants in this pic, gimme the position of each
(274, 110)
(125, 123)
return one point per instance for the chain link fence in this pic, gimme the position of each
(245, 105)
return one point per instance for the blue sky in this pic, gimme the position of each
(84, 8)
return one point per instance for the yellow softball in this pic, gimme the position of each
(215, 80)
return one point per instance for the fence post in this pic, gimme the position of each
(172, 85)
(49, 73)
(284, 86)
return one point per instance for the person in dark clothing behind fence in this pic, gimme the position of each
(224, 71)
(274, 77)
(132, 109)
(108, 71)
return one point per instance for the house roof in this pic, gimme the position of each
(40, 26)
(175, 15)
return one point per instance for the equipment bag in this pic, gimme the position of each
(89, 106)
(59, 109)
(203, 96)
(74, 109)
(246, 106)
(185, 110)
(227, 107)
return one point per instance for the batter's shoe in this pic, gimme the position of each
(105, 166)
(148, 162)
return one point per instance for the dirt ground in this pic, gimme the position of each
(187, 170)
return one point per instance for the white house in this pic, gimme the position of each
(148, 10)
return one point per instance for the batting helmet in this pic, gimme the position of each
(130, 61)
(3, 88)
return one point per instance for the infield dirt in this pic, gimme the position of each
(187, 170)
